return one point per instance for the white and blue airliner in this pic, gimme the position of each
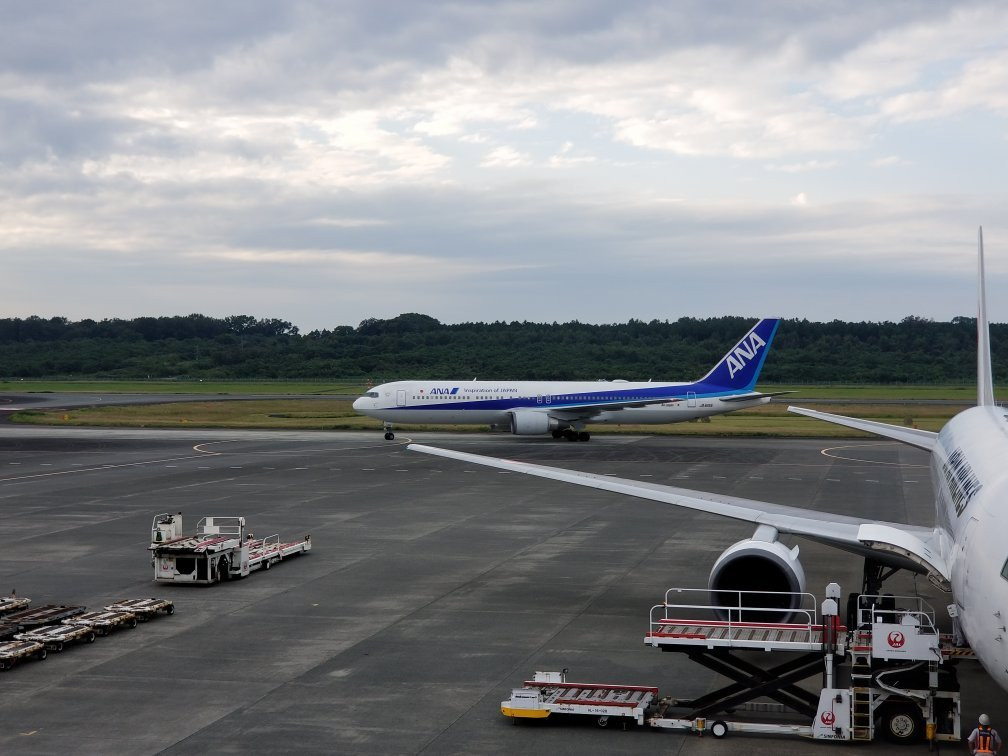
(563, 408)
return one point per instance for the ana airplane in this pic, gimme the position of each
(564, 407)
(965, 553)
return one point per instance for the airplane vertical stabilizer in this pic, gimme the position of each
(739, 369)
(985, 375)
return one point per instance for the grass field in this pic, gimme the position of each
(883, 403)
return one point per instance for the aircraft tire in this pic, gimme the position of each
(389, 436)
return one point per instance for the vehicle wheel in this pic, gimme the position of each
(719, 729)
(222, 569)
(58, 648)
(584, 436)
(3, 666)
(90, 637)
(557, 435)
(42, 654)
(170, 609)
(390, 436)
(267, 563)
(133, 623)
(603, 721)
(902, 724)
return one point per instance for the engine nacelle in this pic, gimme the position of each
(764, 565)
(532, 423)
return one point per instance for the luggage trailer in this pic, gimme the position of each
(220, 549)
(884, 676)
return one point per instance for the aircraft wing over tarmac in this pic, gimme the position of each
(564, 407)
(966, 553)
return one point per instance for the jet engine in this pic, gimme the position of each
(758, 573)
(532, 423)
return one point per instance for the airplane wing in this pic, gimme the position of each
(922, 439)
(906, 546)
(753, 395)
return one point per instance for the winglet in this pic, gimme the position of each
(739, 369)
(985, 375)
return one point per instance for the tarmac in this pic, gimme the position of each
(433, 587)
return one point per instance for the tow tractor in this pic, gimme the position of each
(220, 549)
(886, 675)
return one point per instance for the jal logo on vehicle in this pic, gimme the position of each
(828, 718)
(896, 639)
(445, 391)
(745, 351)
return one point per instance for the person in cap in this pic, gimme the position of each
(984, 738)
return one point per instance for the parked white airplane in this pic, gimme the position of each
(564, 407)
(966, 553)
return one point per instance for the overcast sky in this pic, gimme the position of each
(326, 162)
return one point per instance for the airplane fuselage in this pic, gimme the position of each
(494, 402)
(969, 469)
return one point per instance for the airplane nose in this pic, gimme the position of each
(358, 402)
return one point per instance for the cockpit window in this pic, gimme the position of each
(372, 394)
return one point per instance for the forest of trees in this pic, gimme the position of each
(241, 347)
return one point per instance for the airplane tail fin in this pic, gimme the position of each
(985, 375)
(739, 369)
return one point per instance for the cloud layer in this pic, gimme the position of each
(326, 163)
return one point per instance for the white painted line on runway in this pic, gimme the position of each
(827, 453)
(755, 477)
(95, 469)
(832, 480)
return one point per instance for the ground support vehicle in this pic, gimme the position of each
(550, 693)
(144, 609)
(55, 637)
(16, 650)
(220, 549)
(885, 676)
(104, 621)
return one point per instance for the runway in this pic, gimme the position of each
(432, 588)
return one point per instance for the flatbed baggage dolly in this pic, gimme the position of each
(17, 650)
(550, 693)
(55, 637)
(104, 622)
(10, 604)
(49, 614)
(145, 608)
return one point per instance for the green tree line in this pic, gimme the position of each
(914, 350)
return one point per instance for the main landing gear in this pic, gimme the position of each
(572, 435)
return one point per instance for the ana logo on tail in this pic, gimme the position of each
(745, 351)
